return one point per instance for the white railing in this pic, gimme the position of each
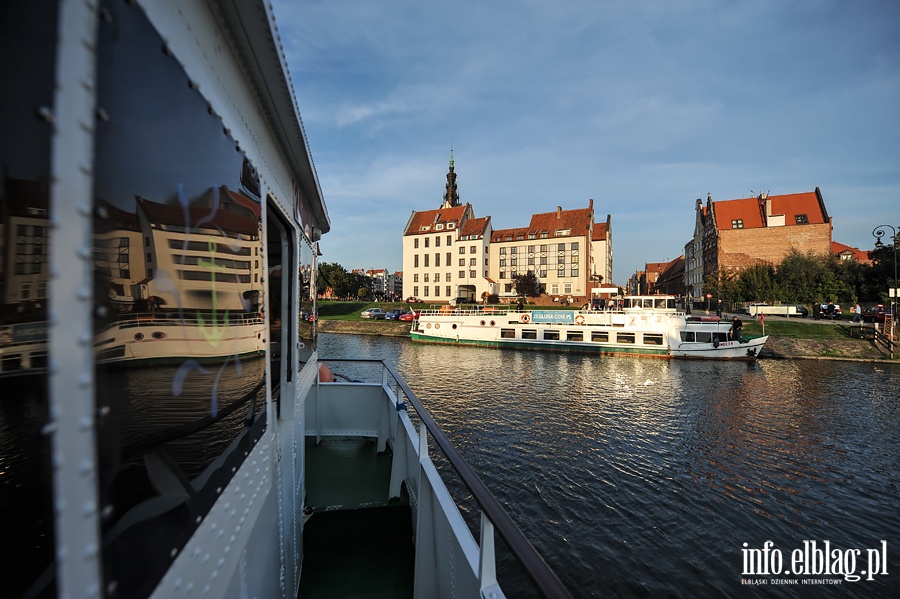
(380, 409)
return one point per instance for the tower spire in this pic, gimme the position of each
(451, 197)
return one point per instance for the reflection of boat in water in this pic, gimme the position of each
(165, 337)
(23, 349)
(171, 147)
(643, 326)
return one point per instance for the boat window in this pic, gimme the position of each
(529, 333)
(280, 298)
(653, 339)
(648, 303)
(26, 473)
(704, 337)
(687, 336)
(721, 337)
(177, 257)
(624, 337)
(661, 303)
(574, 336)
(670, 303)
(600, 336)
(551, 335)
(508, 333)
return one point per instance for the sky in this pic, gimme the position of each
(642, 106)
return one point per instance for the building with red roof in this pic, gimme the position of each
(732, 235)
(448, 253)
(846, 252)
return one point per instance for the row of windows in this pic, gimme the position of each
(437, 276)
(561, 247)
(426, 290)
(437, 260)
(800, 219)
(542, 273)
(541, 260)
(595, 336)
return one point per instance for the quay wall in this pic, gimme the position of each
(387, 328)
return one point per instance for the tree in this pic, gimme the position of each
(527, 284)
(757, 283)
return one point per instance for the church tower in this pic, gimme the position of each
(451, 197)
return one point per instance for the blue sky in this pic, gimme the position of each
(643, 106)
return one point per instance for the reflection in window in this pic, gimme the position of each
(178, 333)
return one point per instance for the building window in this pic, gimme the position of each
(512, 250)
(437, 241)
(416, 278)
(737, 223)
(426, 258)
(531, 260)
(502, 262)
(437, 260)
(530, 249)
(561, 272)
(426, 242)
(502, 251)
(543, 274)
(426, 277)
(543, 247)
(472, 274)
(472, 250)
(449, 237)
(513, 261)
(449, 258)
(543, 259)
(574, 246)
(574, 272)
(437, 277)
(567, 288)
(451, 225)
(462, 273)
(462, 261)
(416, 261)
(473, 261)
(562, 247)
(415, 290)
(502, 274)
(416, 243)
(448, 291)
(801, 219)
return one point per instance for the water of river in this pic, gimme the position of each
(651, 478)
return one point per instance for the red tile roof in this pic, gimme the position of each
(859, 255)
(429, 218)
(475, 226)
(599, 232)
(752, 211)
(576, 222)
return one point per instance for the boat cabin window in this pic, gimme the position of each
(507, 333)
(600, 336)
(529, 333)
(687, 336)
(179, 282)
(648, 303)
(704, 337)
(653, 339)
(575, 336)
(551, 335)
(624, 337)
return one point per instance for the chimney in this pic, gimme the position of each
(559, 212)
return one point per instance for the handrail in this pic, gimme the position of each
(540, 573)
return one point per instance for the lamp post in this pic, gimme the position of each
(879, 232)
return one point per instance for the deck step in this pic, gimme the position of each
(361, 553)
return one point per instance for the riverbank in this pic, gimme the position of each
(777, 348)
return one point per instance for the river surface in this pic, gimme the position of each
(639, 477)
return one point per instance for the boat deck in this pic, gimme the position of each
(355, 544)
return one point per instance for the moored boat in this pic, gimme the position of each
(643, 326)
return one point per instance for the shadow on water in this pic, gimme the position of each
(642, 477)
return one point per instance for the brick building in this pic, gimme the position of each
(732, 235)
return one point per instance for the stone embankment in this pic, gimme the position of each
(389, 328)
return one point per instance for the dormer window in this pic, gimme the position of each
(439, 227)
(424, 228)
(737, 223)
(563, 232)
(801, 219)
(450, 225)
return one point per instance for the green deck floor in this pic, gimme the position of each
(364, 548)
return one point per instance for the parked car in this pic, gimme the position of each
(876, 313)
(375, 313)
(414, 300)
(396, 313)
(409, 316)
(802, 311)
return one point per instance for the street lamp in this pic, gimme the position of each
(879, 232)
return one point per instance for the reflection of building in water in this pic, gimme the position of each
(183, 280)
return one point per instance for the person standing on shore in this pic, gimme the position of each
(857, 313)
(817, 309)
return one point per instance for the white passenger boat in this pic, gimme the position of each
(640, 326)
(160, 209)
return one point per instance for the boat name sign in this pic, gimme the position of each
(553, 316)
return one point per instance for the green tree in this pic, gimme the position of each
(527, 284)
(757, 283)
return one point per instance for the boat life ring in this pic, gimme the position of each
(579, 319)
(526, 319)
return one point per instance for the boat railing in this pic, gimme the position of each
(493, 516)
(195, 319)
